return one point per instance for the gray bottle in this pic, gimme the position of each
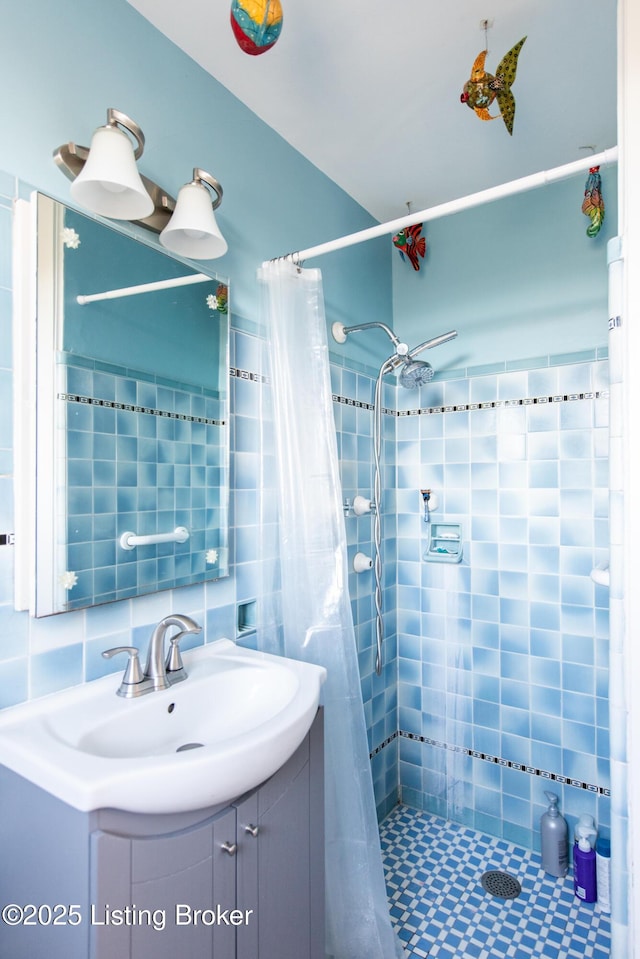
(553, 839)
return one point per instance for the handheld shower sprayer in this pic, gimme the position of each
(413, 374)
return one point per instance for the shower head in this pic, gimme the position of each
(415, 373)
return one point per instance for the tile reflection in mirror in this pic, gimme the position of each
(132, 415)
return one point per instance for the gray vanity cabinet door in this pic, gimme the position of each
(280, 869)
(173, 884)
(186, 876)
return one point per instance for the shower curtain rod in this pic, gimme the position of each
(455, 206)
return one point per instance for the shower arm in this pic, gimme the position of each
(340, 332)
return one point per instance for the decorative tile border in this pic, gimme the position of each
(347, 401)
(486, 757)
(467, 407)
(112, 404)
(507, 404)
(455, 408)
(248, 375)
(379, 748)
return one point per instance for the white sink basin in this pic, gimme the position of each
(229, 726)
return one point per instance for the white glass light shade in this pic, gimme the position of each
(109, 183)
(192, 231)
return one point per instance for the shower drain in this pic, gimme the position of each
(500, 884)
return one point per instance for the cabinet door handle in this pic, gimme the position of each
(230, 848)
(252, 830)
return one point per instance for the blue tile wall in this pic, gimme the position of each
(497, 669)
(503, 659)
(154, 465)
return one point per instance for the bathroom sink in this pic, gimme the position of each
(230, 725)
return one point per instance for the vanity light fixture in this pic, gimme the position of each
(109, 183)
(106, 180)
(192, 231)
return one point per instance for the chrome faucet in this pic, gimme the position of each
(158, 673)
(156, 670)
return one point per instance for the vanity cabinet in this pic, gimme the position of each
(241, 882)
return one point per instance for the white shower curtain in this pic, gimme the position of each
(305, 610)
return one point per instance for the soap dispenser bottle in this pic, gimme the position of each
(553, 838)
(586, 829)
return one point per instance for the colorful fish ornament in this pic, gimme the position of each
(256, 24)
(222, 298)
(593, 204)
(409, 242)
(482, 89)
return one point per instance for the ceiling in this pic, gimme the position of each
(370, 93)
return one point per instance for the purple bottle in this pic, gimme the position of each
(584, 871)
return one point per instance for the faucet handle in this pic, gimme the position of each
(133, 673)
(174, 666)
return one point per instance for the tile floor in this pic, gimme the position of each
(439, 908)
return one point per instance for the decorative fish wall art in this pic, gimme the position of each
(411, 244)
(593, 204)
(483, 88)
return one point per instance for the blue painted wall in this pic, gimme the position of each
(63, 65)
(61, 68)
(518, 278)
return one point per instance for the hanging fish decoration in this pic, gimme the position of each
(593, 204)
(222, 297)
(483, 88)
(409, 242)
(256, 24)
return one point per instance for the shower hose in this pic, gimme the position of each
(377, 521)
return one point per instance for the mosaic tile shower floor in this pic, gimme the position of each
(439, 908)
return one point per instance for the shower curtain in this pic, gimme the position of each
(304, 610)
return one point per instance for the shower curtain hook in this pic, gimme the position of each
(289, 258)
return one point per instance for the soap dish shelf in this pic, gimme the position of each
(445, 543)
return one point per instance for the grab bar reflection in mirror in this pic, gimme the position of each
(130, 540)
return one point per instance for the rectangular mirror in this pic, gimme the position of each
(131, 420)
